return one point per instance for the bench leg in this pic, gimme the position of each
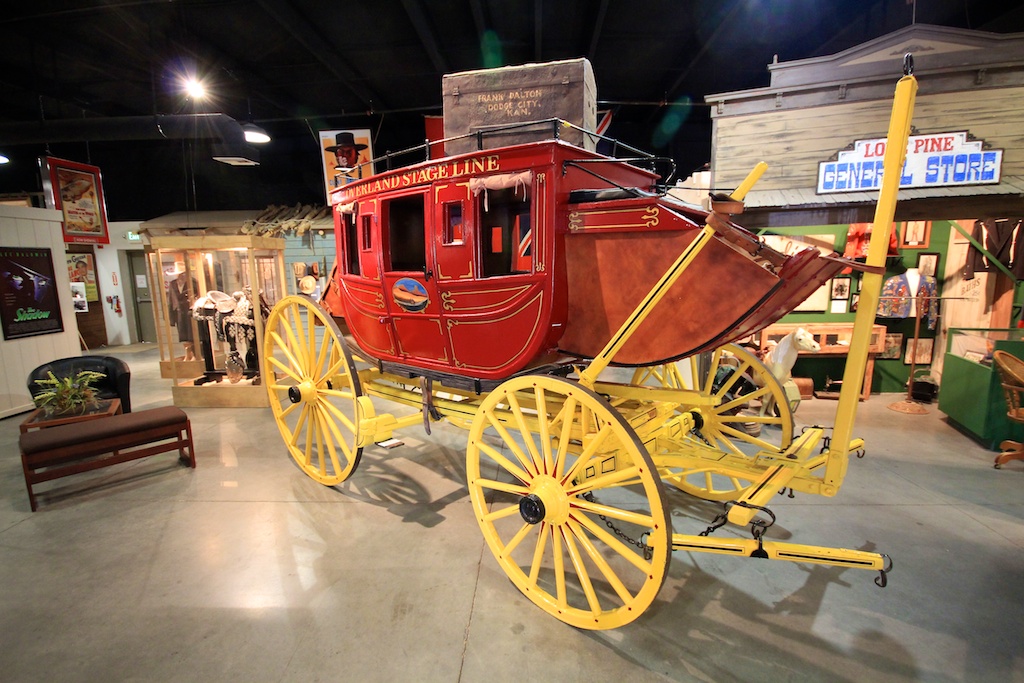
(189, 459)
(28, 485)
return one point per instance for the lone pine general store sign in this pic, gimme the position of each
(937, 160)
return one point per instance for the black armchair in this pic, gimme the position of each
(115, 384)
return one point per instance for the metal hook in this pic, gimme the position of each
(908, 64)
(882, 579)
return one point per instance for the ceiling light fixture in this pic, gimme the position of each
(195, 89)
(4, 159)
(255, 134)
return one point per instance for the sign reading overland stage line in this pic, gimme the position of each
(28, 293)
(491, 98)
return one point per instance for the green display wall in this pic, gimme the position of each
(890, 375)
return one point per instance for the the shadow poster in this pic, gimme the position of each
(28, 296)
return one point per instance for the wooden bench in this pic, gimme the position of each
(48, 454)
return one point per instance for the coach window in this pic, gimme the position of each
(406, 247)
(351, 242)
(507, 237)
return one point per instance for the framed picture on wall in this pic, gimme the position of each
(29, 303)
(915, 234)
(919, 352)
(841, 288)
(77, 191)
(817, 302)
(928, 263)
(893, 346)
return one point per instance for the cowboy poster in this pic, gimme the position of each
(344, 157)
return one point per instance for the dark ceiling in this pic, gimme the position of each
(299, 66)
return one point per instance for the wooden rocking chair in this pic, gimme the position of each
(1011, 374)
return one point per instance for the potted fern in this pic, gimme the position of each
(68, 395)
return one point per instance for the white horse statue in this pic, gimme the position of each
(782, 356)
(780, 359)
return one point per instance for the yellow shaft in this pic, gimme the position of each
(871, 285)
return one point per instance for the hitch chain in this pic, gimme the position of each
(757, 525)
(647, 550)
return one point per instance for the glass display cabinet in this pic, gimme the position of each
(208, 313)
(971, 394)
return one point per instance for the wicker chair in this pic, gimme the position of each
(1011, 374)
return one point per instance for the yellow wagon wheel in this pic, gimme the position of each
(568, 501)
(314, 389)
(749, 399)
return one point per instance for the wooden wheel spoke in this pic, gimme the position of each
(642, 520)
(635, 558)
(505, 463)
(527, 463)
(538, 553)
(542, 424)
(502, 513)
(587, 455)
(620, 477)
(501, 486)
(514, 542)
(582, 576)
(525, 432)
(600, 562)
(284, 368)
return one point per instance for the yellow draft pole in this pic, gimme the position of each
(871, 284)
(589, 376)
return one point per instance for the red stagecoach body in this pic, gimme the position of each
(494, 262)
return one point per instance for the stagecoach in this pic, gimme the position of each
(582, 325)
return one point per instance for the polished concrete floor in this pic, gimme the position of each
(244, 569)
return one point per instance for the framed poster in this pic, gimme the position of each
(817, 302)
(919, 352)
(344, 155)
(81, 304)
(77, 191)
(893, 346)
(928, 263)
(841, 288)
(915, 234)
(82, 268)
(29, 305)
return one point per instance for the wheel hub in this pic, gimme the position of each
(306, 391)
(546, 502)
(531, 508)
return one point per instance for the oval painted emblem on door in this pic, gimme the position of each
(410, 295)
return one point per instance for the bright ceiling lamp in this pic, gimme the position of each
(255, 134)
(4, 159)
(195, 89)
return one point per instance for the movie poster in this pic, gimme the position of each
(77, 191)
(81, 268)
(345, 157)
(29, 304)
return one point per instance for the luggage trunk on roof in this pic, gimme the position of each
(489, 98)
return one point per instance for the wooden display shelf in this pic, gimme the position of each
(220, 395)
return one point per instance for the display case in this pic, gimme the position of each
(208, 313)
(971, 394)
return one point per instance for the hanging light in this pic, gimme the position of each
(255, 134)
(4, 159)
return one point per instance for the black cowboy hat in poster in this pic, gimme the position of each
(28, 296)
